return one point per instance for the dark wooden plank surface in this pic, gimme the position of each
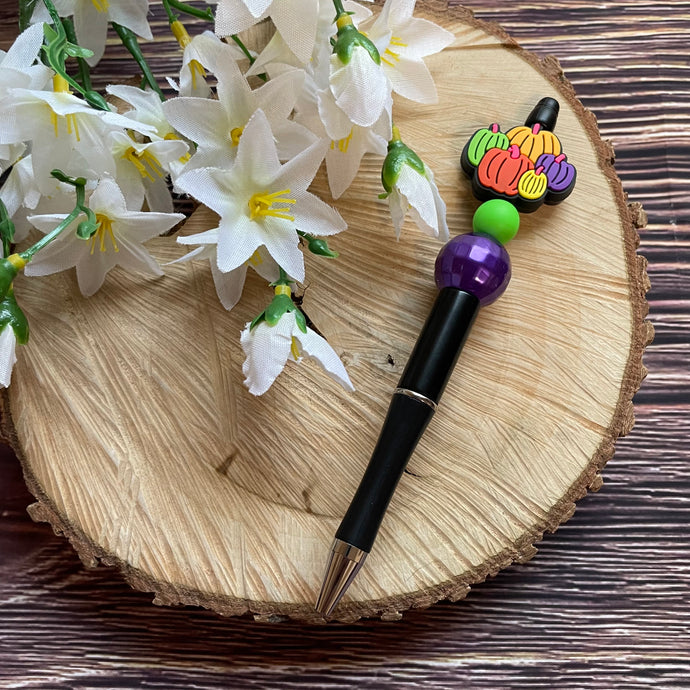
(606, 602)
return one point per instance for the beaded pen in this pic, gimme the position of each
(513, 172)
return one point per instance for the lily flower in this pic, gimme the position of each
(402, 41)
(410, 186)
(117, 241)
(295, 20)
(216, 126)
(91, 19)
(229, 285)
(268, 348)
(261, 202)
(357, 81)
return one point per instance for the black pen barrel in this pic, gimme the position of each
(420, 388)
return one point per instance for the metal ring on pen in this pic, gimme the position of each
(416, 396)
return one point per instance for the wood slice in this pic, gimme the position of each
(143, 447)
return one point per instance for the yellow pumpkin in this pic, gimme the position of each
(532, 184)
(533, 141)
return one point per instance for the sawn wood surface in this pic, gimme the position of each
(605, 602)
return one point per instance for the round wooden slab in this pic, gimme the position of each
(143, 447)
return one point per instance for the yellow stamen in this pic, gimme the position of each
(171, 136)
(235, 135)
(105, 227)
(261, 204)
(397, 41)
(101, 5)
(343, 144)
(143, 158)
(61, 85)
(294, 348)
(196, 69)
(180, 33)
(282, 290)
(256, 259)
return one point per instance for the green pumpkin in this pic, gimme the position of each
(483, 140)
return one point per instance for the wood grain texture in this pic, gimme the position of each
(158, 460)
(605, 604)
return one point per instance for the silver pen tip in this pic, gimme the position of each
(344, 563)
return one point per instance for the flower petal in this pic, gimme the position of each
(229, 285)
(296, 21)
(257, 158)
(424, 38)
(266, 349)
(361, 88)
(233, 16)
(8, 358)
(91, 28)
(412, 79)
(132, 14)
(238, 239)
(282, 243)
(319, 349)
(206, 185)
(316, 217)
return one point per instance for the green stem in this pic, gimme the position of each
(243, 48)
(6, 230)
(129, 41)
(206, 14)
(172, 17)
(84, 69)
(28, 254)
(339, 9)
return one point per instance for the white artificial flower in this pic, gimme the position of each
(349, 142)
(277, 51)
(360, 86)
(17, 65)
(261, 202)
(417, 193)
(117, 242)
(20, 190)
(216, 126)
(8, 358)
(229, 285)
(65, 131)
(204, 52)
(268, 348)
(402, 41)
(295, 20)
(91, 19)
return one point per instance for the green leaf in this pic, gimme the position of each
(26, 11)
(12, 315)
(301, 320)
(6, 230)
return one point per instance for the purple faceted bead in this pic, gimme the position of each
(477, 264)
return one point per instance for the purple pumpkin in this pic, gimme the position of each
(559, 173)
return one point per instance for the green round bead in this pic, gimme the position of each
(497, 218)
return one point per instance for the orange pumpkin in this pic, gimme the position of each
(533, 141)
(500, 170)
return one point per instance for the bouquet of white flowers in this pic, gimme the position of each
(244, 134)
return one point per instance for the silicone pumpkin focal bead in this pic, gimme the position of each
(532, 184)
(560, 174)
(500, 171)
(482, 140)
(534, 141)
